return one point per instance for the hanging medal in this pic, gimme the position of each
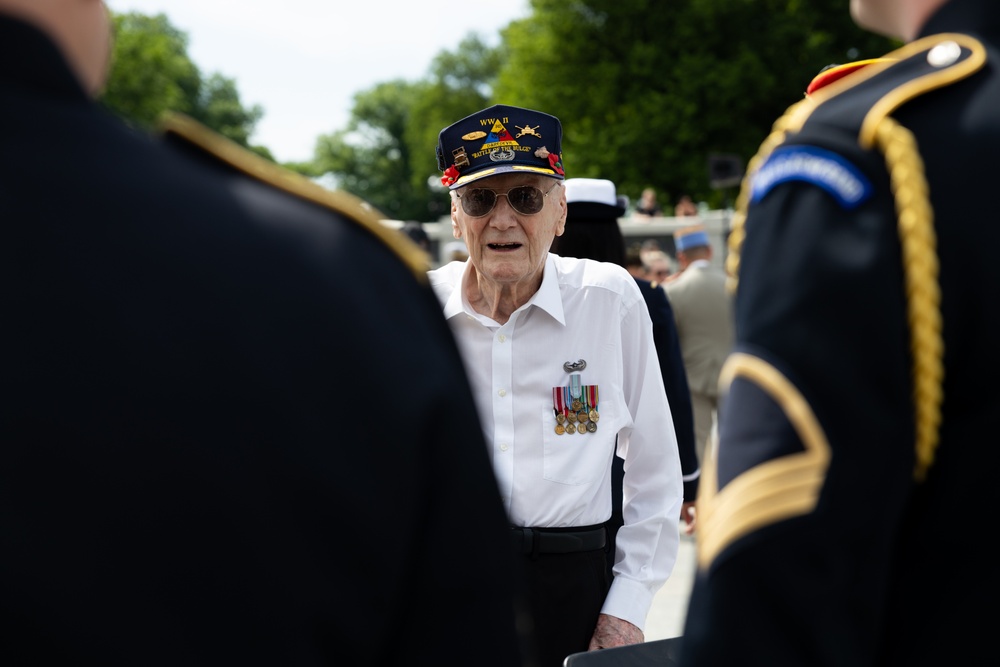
(570, 414)
(583, 414)
(575, 392)
(590, 391)
(559, 407)
(592, 402)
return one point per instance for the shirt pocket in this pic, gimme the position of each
(575, 459)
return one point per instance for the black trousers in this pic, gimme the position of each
(564, 593)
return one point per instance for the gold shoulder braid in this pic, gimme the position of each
(263, 170)
(918, 242)
(915, 215)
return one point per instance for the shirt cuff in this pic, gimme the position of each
(691, 490)
(628, 600)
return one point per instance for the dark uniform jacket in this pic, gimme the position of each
(668, 350)
(845, 520)
(234, 427)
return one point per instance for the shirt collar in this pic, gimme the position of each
(548, 297)
(455, 305)
(958, 16)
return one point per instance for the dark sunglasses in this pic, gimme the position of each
(525, 199)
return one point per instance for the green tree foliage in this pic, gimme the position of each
(370, 157)
(218, 106)
(460, 84)
(151, 73)
(647, 90)
(386, 154)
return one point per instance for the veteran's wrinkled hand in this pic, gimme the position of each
(612, 631)
(689, 517)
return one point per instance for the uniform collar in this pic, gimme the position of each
(548, 297)
(29, 60)
(968, 16)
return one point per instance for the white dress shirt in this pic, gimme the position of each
(590, 311)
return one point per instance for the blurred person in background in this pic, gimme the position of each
(685, 207)
(659, 267)
(703, 313)
(648, 205)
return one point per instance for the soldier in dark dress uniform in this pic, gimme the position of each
(841, 515)
(235, 427)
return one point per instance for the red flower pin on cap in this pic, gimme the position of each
(450, 176)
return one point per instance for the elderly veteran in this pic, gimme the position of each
(563, 366)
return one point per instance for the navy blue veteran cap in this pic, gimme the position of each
(500, 140)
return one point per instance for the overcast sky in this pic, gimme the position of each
(303, 60)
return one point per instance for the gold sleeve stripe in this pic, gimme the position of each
(772, 491)
(263, 170)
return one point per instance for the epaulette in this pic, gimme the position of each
(879, 89)
(864, 102)
(180, 127)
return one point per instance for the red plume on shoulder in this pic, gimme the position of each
(833, 73)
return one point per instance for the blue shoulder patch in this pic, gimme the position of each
(810, 164)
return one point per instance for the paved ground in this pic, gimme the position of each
(666, 617)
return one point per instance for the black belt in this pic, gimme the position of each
(558, 540)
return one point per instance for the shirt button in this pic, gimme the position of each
(502, 392)
(502, 338)
(504, 447)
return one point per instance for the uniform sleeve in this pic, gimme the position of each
(647, 543)
(816, 435)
